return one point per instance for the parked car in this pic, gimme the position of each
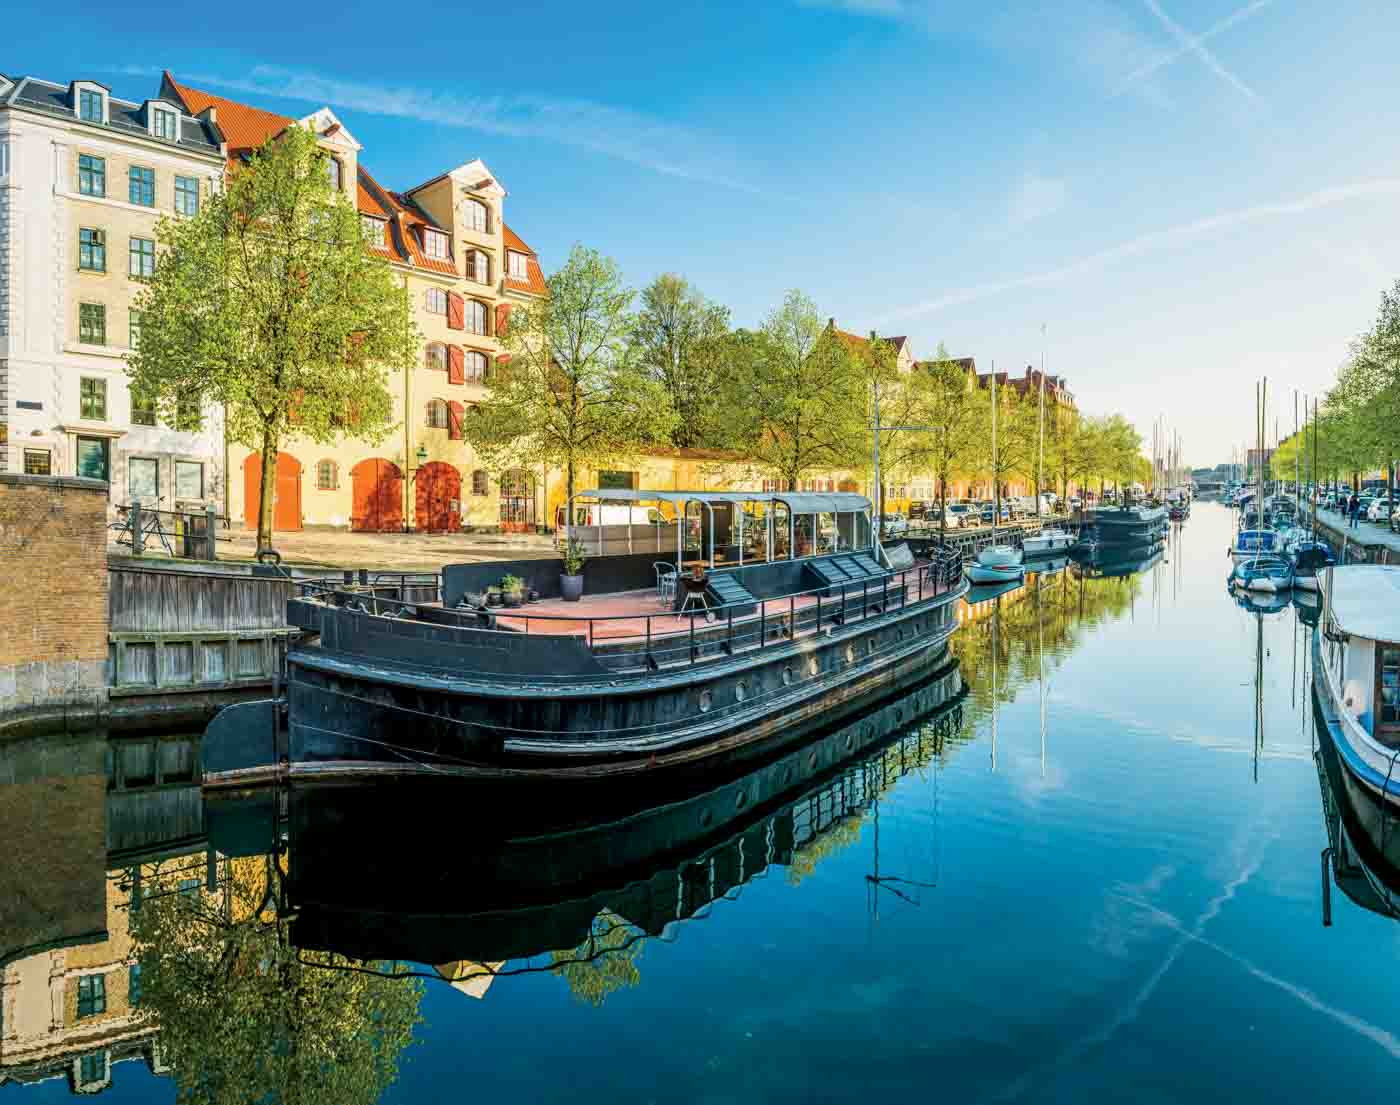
(988, 512)
(893, 525)
(1076, 503)
(919, 510)
(1379, 511)
(954, 516)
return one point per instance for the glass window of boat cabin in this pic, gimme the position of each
(752, 518)
(782, 532)
(826, 533)
(804, 535)
(1388, 693)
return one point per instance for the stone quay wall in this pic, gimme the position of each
(53, 601)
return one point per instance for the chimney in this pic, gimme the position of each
(831, 322)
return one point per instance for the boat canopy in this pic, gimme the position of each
(1365, 601)
(723, 528)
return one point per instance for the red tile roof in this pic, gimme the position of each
(244, 128)
(534, 283)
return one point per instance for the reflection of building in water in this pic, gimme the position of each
(472, 979)
(69, 809)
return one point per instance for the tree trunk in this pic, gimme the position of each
(268, 489)
(942, 512)
(569, 493)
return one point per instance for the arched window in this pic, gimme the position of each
(476, 317)
(479, 482)
(477, 216)
(327, 475)
(437, 356)
(479, 266)
(476, 367)
(437, 414)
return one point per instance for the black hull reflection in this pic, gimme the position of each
(1364, 838)
(409, 871)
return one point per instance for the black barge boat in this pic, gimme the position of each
(718, 628)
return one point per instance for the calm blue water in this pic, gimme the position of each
(1121, 903)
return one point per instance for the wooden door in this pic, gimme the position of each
(286, 492)
(376, 496)
(437, 498)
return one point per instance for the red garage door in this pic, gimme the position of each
(286, 503)
(376, 496)
(438, 498)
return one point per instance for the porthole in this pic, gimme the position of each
(741, 690)
(706, 701)
(812, 760)
(787, 677)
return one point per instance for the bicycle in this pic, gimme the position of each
(150, 528)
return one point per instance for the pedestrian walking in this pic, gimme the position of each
(1354, 506)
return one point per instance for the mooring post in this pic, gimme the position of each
(210, 521)
(138, 538)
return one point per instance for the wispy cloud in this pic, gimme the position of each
(1155, 240)
(1195, 44)
(1035, 197)
(631, 136)
(1167, 57)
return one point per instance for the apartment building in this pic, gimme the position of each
(84, 176)
(465, 270)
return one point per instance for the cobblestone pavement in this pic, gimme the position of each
(403, 551)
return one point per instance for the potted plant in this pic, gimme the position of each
(513, 587)
(571, 578)
(494, 597)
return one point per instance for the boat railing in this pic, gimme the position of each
(651, 641)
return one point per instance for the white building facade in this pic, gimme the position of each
(83, 178)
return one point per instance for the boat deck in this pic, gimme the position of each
(626, 615)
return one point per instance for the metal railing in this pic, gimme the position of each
(142, 527)
(666, 638)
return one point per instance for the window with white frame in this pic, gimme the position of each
(4, 158)
(165, 124)
(372, 230)
(435, 244)
(476, 317)
(479, 267)
(477, 216)
(519, 265)
(437, 301)
(476, 367)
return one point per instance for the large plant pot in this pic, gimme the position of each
(571, 587)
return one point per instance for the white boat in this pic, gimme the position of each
(997, 564)
(1047, 542)
(1356, 649)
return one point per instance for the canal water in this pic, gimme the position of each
(1093, 874)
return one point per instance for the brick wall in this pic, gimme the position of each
(53, 596)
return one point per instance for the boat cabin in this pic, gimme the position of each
(1361, 647)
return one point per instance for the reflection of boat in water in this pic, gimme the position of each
(1363, 843)
(1260, 602)
(406, 870)
(1264, 572)
(1109, 561)
(1309, 606)
(979, 593)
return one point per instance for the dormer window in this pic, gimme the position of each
(519, 265)
(92, 105)
(373, 230)
(164, 124)
(477, 216)
(435, 244)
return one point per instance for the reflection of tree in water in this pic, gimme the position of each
(836, 838)
(1053, 613)
(605, 962)
(246, 1017)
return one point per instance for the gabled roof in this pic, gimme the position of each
(856, 342)
(534, 284)
(244, 128)
(413, 220)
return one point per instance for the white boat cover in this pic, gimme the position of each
(1365, 600)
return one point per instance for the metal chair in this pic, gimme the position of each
(665, 581)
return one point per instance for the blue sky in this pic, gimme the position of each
(1189, 194)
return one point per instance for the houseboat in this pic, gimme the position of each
(1129, 525)
(716, 628)
(1356, 652)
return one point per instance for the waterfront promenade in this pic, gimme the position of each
(1368, 535)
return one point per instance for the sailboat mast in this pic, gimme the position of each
(996, 482)
(1040, 469)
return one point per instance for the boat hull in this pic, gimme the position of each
(1047, 544)
(1366, 762)
(995, 573)
(349, 716)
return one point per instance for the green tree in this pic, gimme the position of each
(792, 392)
(575, 393)
(680, 342)
(901, 398)
(245, 1016)
(952, 405)
(267, 303)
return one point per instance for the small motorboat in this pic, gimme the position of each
(1252, 542)
(1048, 542)
(1264, 572)
(1310, 558)
(997, 564)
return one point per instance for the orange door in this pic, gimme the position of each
(377, 496)
(437, 498)
(286, 492)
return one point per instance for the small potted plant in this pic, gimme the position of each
(571, 578)
(513, 587)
